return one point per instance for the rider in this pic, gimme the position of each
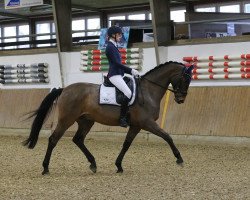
(117, 70)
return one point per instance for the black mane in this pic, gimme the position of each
(161, 65)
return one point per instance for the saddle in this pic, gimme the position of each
(109, 94)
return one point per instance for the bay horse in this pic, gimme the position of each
(78, 102)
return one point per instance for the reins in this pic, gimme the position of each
(184, 74)
(166, 88)
(139, 86)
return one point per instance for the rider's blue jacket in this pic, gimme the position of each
(114, 58)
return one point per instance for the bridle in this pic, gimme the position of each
(177, 90)
(155, 83)
(163, 87)
(176, 87)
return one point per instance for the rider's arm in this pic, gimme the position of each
(111, 54)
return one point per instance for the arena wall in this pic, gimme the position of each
(212, 108)
(216, 108)
(51, 59)
(213, 111)
(16, 105)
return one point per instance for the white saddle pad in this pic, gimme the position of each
(108, 95)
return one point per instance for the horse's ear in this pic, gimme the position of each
(189, 69)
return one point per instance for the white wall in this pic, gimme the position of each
(71, 63)
(204, 50)
(176, 53)
(51, 59)
(149, 60)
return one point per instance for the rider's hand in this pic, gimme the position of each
(135, 73)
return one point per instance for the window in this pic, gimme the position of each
(78, 25)
(205, 9)
(43, 28)
(10, 34)
(86, 26)
(0, 36)
(93, 24)
(136, 17)
(23, 30)
(177, 15)
(230, 9)
(247, 8)
(9, 31)
(54, 31)
(120, 17)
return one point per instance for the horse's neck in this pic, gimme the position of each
(158, 84)
(155, 92)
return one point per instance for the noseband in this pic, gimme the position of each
(187, 77)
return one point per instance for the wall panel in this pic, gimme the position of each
(16, 103)
(214, 111)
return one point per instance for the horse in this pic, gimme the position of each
(78, 102)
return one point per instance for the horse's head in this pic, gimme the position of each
(181, 83)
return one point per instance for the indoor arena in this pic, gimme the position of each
(125, 100)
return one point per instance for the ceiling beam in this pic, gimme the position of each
(126, 6)
(210, 2)
(86, 8)
(76, 6)
(8, 14)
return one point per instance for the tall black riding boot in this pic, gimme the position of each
(124, 113)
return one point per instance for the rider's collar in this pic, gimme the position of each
(113, 42)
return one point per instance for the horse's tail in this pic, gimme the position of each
(41, 114)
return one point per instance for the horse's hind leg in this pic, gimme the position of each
(53, 139)
(155, 129)
(84, 126)
(132, 132)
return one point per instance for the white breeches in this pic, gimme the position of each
(118, 81)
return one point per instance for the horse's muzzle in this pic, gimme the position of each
(179, 100)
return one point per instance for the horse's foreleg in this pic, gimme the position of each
(84, 126)
(132, 132)
(156, 130)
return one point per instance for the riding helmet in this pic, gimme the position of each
(113, 30)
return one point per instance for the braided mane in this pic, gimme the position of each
(161, 65)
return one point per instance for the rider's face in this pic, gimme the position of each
(118, 36)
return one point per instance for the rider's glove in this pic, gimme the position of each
(135, 73)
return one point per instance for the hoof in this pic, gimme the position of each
(92, 168)
(45, 172)
(179, 161)
(119, 171)
(181, 164)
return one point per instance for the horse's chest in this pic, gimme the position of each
(154, 111)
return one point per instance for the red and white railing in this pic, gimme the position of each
(219, 67)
